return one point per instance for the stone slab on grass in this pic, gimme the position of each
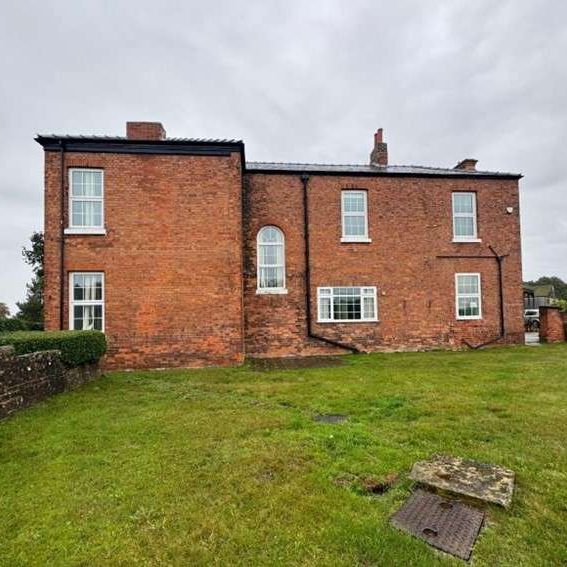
(482, 481)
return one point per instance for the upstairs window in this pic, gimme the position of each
(271, 260)
(354, 216)
(86, 199)
(464, 217)
(345, 304)
(468, 296)
(87, 301)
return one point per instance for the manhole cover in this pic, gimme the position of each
(294, 363)
(470, 478)
(449, 525)
(330, 418)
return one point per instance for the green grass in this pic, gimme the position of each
(226, 466)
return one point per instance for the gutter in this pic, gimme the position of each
(310, 334)
(499, 260)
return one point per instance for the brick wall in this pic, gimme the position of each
(552, 325)
(171, 257)
(178, 230)
(410, 224)
(30, 378)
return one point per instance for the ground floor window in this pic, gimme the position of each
(467, 296)
(347, 304)
(87, 301)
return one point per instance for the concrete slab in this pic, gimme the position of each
(482, 481)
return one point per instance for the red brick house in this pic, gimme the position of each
(186, 254)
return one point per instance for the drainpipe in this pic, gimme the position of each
(500, 290)
(305, 181)
(62, 236)
(499, 260)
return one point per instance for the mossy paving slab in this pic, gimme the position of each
(486, 482)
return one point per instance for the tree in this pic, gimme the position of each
(31, 309)
(559, 285)
(4, 311)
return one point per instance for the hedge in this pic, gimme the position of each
(10, 325)
(77, 347)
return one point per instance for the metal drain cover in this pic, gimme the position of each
(449, 525)
(330, 417)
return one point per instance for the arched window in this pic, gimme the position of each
(271, 260)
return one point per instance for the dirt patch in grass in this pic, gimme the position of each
(367, 484)
(294, 363)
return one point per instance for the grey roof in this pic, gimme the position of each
(126, 139)
(270, 167)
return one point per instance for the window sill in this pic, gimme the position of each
(274, 291)
(466, 240)
(99, 231)
(343, 321)
(469, 318)
(350, 240)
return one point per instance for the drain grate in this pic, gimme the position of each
(330, 418)
(449, 525)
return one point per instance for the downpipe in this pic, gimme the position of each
(310, 334)
(499, 260)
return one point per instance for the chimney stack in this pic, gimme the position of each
(145, 131)
(379, 155)
(468, 164)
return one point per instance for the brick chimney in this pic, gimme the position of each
(379, 155)
(468, 164)
(145, 131)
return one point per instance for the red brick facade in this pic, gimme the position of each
(553, 325)
(179, 254)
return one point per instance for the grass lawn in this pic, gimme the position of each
(226, 466)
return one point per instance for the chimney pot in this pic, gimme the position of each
(145, 131)
(379, 155)
(468, 164)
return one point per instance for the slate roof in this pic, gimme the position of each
(334, 169)
(541, 290)
(204, 145)
(96, 138)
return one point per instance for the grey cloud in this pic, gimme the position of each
(298, 81)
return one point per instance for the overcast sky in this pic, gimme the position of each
(297, 81)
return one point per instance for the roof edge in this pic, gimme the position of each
(374, 171)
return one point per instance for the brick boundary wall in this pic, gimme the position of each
(30, 378)
(552, 325)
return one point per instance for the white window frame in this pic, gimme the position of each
(365, 291)
(473, 215)
(477, 295)
(270, 290)
(364, 214)
(73, 302)
(72, 229)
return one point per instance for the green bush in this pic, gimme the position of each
(76, 347)
(10, 325)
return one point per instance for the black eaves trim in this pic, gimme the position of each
(378, 173)
(158, 147)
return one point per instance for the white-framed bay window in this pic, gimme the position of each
(346, 304)
(468, 296)
(271, 260)
(86, 306)
(464, 217)
(86, 201)
(354, 215)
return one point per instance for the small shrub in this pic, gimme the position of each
(11, 325)
(77, 347)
